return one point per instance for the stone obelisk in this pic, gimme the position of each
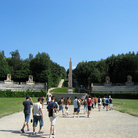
(70, 77)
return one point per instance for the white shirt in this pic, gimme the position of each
(75, 103)
(36, 108)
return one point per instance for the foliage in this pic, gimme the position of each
(120, 95)
(9, 93)
(4, 68)
(116, 67)
(41, 67)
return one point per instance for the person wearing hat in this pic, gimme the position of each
(27, 105)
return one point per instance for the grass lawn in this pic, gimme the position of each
(129, 106)
(12, 105)
(62, 90)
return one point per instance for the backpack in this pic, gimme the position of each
(78, 103)
(59, 102)
(107, 101)
(98, 100)
(85, 102)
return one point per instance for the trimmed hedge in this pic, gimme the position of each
(120, 95)
(9, 93)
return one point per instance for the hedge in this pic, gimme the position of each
(9, 93)
(120, 95)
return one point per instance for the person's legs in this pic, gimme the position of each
(53, 120)
(35, 121)
(41, 123)
(75, 110)
(78, 111)
(62, 110)
(107, 107)
(27, 116)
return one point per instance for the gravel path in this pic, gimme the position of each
(106, 124)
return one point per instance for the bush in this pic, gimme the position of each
(120, 95)
(9, 93)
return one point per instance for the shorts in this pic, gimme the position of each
(36, 119)
(66, 107)
(76, 110)
(27, 116)
(52, 120)
(89, 108)
(60, 107)
(106, 104)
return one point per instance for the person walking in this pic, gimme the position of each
(37, 116)
(99, 103)
(67, 106)
(50, 107)
(61, 104)
(48, 99)
(43, 99)
(110, 103)
(85, 105)
(76, 103)
(95, 101)
(27, 106)
(106, 103)
(103, 102)
(89, 104)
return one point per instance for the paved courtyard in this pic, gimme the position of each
(106, 124)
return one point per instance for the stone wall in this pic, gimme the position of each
(22, 86)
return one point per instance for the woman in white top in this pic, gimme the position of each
(99, 103)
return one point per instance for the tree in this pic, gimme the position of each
(4, 68)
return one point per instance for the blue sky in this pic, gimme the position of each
(84, 30)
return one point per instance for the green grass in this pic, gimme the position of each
(129, 106)
(11, 105)
(62, 90)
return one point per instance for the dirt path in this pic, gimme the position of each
(106, 124)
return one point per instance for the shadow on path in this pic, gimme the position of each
(27, 134)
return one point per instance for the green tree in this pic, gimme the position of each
(4, 68)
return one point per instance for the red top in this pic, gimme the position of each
(89, 101)
(95, 99)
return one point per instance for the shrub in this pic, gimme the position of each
(120, 95)
(9, 93)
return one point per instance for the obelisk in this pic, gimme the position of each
(70, 77)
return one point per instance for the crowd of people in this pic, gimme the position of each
(89, 103)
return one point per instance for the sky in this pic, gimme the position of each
(83, 30)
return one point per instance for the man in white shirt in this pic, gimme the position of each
(37, 116)
(76, 106)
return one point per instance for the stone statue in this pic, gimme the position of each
(8, 80)
(8, 77)
(30, 80)
(129, 80)
(107, 81)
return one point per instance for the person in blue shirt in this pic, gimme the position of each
(27, 106)
(106, 103)
(50, 107)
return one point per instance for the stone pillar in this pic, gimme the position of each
(70, 77)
